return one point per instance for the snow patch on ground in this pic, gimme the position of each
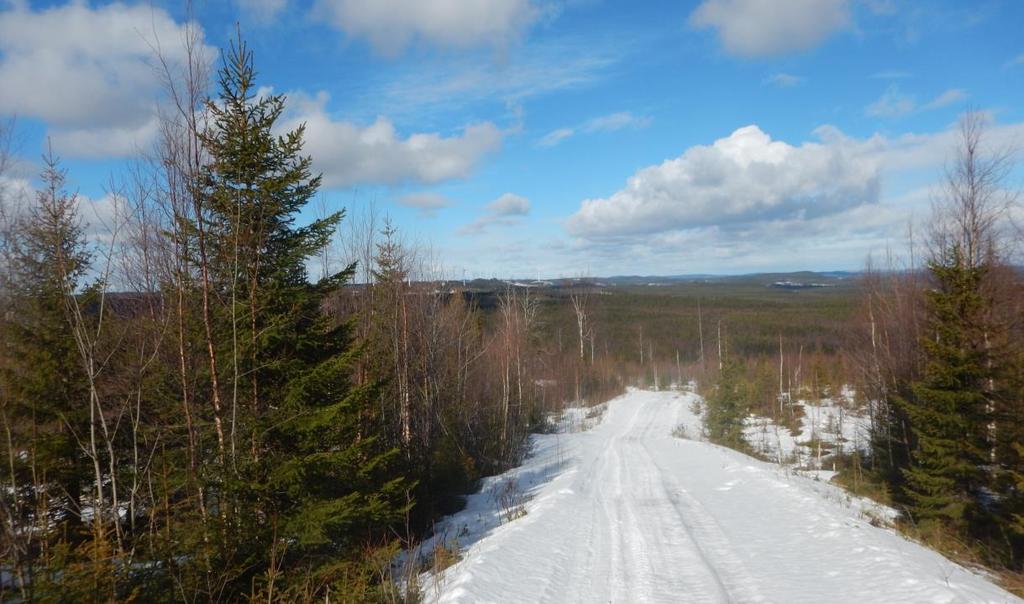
(833, 426)
(826, 428)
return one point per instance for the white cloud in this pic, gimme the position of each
(616, 121)
(909, 168)
(741, 179)
(540, 68)
(604, 123)
(747, 203)
(98, 216)
(391, 25)
(87, 72)
(509, 204)
(555, 136)
(784, 80)
(755, 28)
(1015, 61)
(836, 241)
(426, 202)
(118, 141)
(13, 192)
(350, 154)
(931, 151)
(262, 11)
(505, 210)
(949, 97)
(892, 103)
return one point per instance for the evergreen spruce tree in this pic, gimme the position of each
(51, 259)
(44, 382)
(1017, 503)
(309, 478)
(727, 407)
(1011, 479)
(948, 408)
(390, 344)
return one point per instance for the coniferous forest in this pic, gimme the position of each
(210, 402)
(190, 414)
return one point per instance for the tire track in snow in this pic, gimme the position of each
(640, 516)
(664, 562)
(714, 547)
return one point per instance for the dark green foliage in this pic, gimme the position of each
(755, 315)
(1010, 481)
(307, 477)
(331, 479)
(253, 189)
(726, 407)
(255, 442)
(949, 408)
(1016, 502)
(45, 398)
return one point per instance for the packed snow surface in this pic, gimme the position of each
(627, 512)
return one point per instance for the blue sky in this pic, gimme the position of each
(561, 137)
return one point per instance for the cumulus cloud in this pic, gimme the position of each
(748, 203)
(757, 28)
(505, 210)
(509, 204)
(99, 216)
(908, 166)
(931, 151)
(741, 179)
(348, 154)
(117, 140)
(427, 203)
(13, 192)
(87, 72)
(838, 241)
(391, 25)
(1015, 61)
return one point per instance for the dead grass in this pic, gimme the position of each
(509, 499)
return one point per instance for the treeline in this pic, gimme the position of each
(939, 352)
(935, 354)
(189, 415)
(661, 335)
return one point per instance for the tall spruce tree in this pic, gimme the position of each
(390, 312)
(52, 258)
(308, 477)
(43, 381)
(949, 408)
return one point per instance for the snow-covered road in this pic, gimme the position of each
(626, 512)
